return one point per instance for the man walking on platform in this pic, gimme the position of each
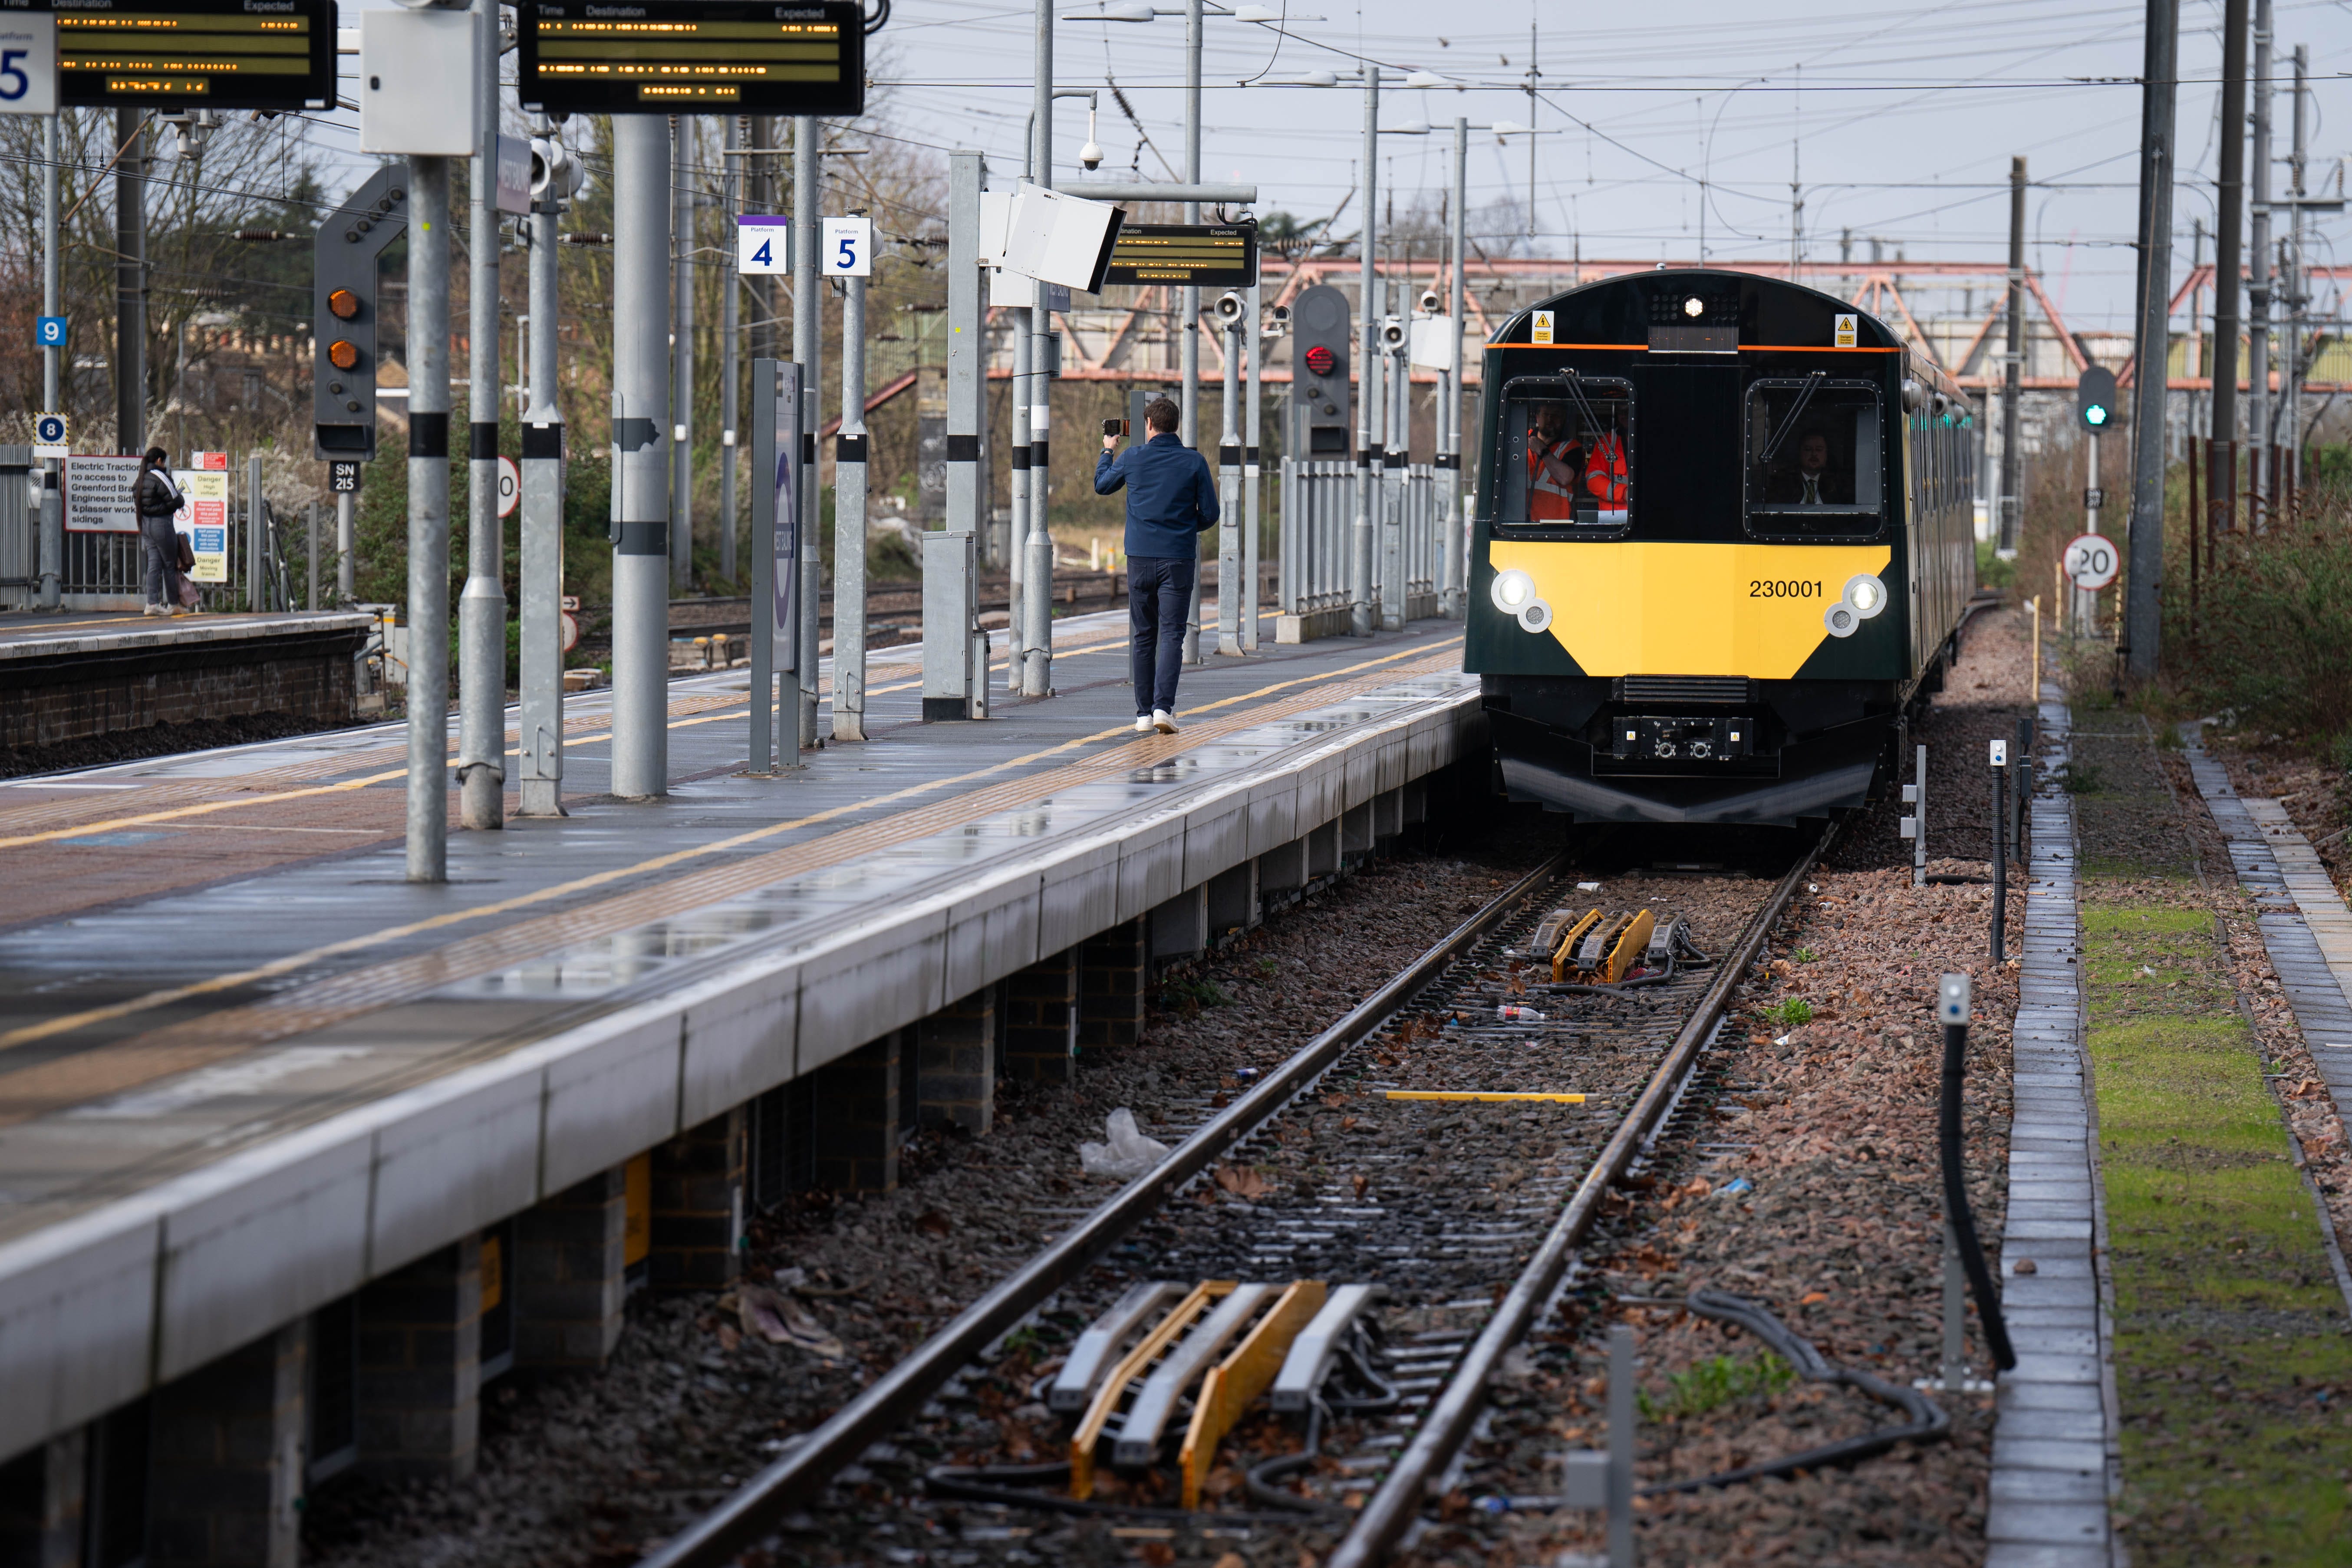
(1171, 502)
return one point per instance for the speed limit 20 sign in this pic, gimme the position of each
(2091, 562)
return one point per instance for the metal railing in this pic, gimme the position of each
(1317, 537)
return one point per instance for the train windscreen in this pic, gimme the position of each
(1567, 455)
(1813, 466)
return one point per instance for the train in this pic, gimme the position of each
(1723, 540)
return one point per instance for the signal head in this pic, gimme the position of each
(1321, 361)
(344, 304)
(342, 354)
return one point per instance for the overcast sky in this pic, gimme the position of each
(1899, 121)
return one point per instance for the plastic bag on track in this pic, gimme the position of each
(1127, 1154)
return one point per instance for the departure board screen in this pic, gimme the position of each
(684, 57)
(1199, 255)
(273, 55)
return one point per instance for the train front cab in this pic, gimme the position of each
(1724, 532)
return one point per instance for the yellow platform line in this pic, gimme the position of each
(66, 1022)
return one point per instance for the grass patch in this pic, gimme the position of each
(1190, 995)
(2230, 1355)
(1804, 956)
(1716, 1381)
(1789, 1012)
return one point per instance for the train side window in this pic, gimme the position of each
(1814, 467)
(1567, 456)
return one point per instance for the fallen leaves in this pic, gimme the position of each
(1243, 1182)
(782, 1319)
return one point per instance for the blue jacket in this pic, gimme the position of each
(1171, 499)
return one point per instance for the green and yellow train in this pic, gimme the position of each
(1724, 537)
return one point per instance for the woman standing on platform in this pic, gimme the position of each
(158, 500)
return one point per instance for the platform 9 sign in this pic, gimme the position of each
(2091, 562)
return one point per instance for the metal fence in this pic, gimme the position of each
(1318, 518)
(102, 570)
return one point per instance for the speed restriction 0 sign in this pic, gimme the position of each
(510, 485)
(2091, 562)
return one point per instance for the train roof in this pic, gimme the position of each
(1705, 309)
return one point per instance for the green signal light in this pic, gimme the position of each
(2096, 414)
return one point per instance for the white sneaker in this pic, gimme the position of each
(1143, 723)
(1162, 722)
(156, 610)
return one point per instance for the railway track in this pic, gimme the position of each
(1354, 1162)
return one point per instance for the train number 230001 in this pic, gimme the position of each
(1769, 588)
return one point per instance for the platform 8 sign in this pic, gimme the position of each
(98, 495)
(204, 519)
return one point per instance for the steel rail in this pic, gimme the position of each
(1392, 1508)
(756, 1507)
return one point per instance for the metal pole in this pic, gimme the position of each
(1622, 1447)
(540, 748)
(1229, 592)
(2228, 232)
(130, 282)
(967, 501)
(2144, 587)
(849, 524)
(310, 558)
(1037, 581)
(1449, 418)
(808, 350)
(1398, 445)
(681, 353)
(764, 383)
(429, 519)
(1188, 397)
(53, 516)
(1359, 579)
(1253, 486)
(2258, 271)
(731, 295)
(641, 251)
(2290, 365)
(346, 547)
(482, 607)
(2012, 457)
(1018, 525)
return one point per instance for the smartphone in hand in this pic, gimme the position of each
(1114, 427)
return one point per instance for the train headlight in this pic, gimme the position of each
(1535, 616)
(1513, 590)
(1867, 594)
(1841, 620)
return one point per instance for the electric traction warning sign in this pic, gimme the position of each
(99, 495)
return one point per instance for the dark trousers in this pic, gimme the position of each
(1158, 596)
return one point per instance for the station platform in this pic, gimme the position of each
(72, 676)
(246, 1068)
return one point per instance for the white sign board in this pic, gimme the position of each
(98, 495)
(1539, 329)
(1011, 290)
(50, 435)
(1057, 238)
(1431, 344)
(510, 485)
(29, 62)
(849, 247)
(514, 174)
(204, 519)
(1847, 332)
(763, 245)
(2091, 562)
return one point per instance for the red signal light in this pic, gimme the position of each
(1321, 361)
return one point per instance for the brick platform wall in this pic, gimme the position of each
(307, 675)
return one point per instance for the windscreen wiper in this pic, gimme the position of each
(1583, 407)
(1813, 379)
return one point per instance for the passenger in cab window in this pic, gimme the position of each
(1812, 482)
(1555, 466)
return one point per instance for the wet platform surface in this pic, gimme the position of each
(230, 1030)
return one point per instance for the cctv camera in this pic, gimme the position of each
(1091, 157)
(1230, 307)
(1429, 301)
(1281, 314)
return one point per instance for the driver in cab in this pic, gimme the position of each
(1555, 466)
(1811, 482)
